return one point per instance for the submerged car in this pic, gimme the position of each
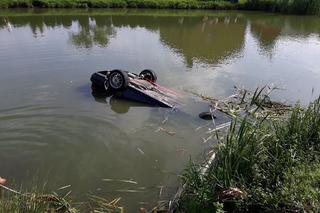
(140, 87)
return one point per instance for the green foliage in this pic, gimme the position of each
(301, 187)
(274, 163)
(311, 7)
(174, 4)
(283, 6)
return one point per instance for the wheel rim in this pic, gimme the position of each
(147, 77)
(116, 81)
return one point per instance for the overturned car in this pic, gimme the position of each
(140, 87)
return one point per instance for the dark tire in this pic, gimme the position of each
(148, 75)
(206, 116)
(118, 80)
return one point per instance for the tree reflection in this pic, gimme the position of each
(38, 24)
(208, 39)
(267, 30)
(93, 31)
(266, 35)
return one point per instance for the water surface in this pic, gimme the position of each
(52, 129)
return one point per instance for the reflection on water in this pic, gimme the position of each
(93, 31)
(200, 39)
(195, 38)
(51, 125)
(117, 104)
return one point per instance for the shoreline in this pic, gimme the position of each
(121, 4)
(299, 7)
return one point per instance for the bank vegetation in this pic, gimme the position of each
(268, 160)
(311, 7)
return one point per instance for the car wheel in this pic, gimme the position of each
(118, 80)
(148, 75)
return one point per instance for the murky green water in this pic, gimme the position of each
(53, 130)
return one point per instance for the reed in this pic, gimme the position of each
(39, 201)
(261, 164)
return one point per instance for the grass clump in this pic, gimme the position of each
(39, 202)
(262, 164)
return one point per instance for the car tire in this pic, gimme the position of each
(148, 75)
(118, 80)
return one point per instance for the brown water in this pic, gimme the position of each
(53, 130)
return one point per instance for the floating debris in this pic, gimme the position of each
(143, 210)
(130, 190)
(181, 151)
(142, 188)
(165, 120)
(64, 187)
(2, 181)
(162, 207)
(245, 102)
(171, 133)
(200, 127)
(205, 140)
(140, 150)
(119, 180)
(161, 190)
(104, 205)
(143, 203)
(221, 126)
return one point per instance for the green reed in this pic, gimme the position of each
(265, 164)
(39, 201)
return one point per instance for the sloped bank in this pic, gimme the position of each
(268, 161)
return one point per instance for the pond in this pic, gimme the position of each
(53, 131)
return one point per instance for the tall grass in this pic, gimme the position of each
(262, 165)
(38, 201)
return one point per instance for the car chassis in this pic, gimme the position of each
(140, 88)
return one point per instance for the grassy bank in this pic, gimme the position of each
(263, 164)
(283, 6)
(161, 4)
